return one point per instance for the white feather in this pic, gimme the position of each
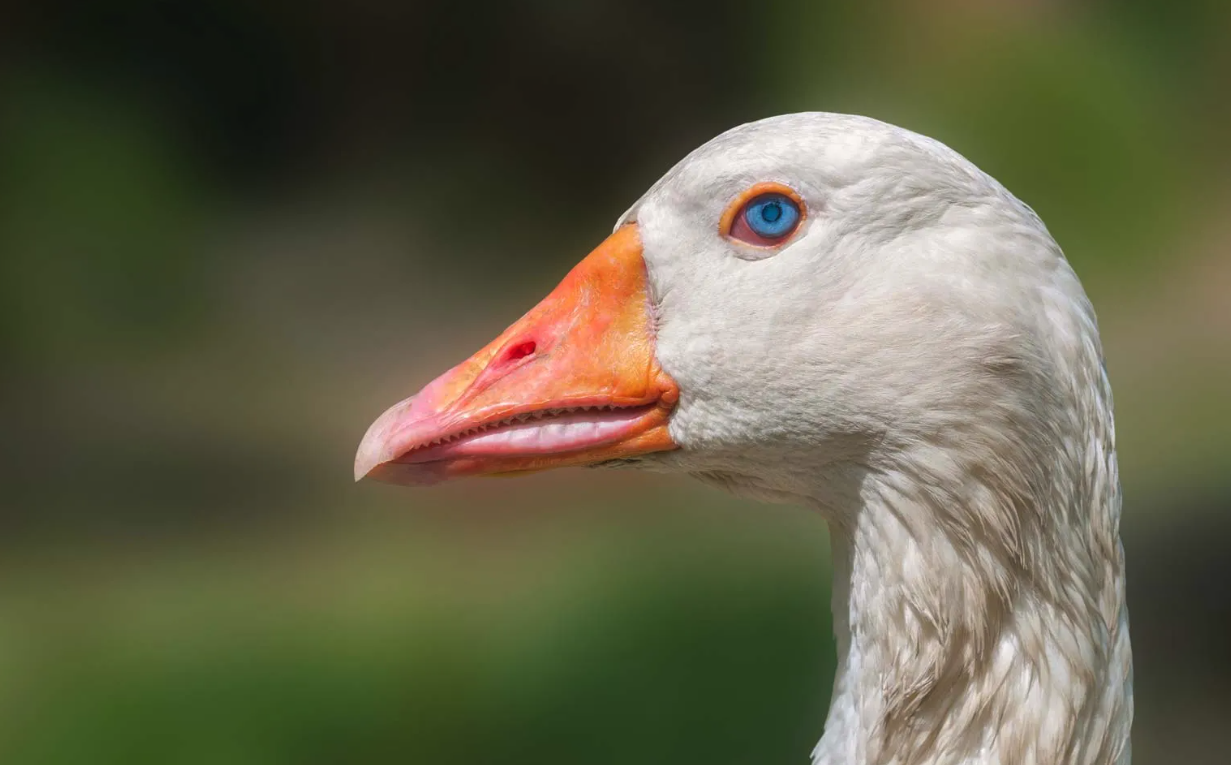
(922, 366)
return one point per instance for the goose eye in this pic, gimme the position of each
(764, 216)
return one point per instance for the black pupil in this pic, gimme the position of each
(771, 212)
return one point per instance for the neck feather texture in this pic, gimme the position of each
(962, 644)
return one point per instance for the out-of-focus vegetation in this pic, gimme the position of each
(232, 232)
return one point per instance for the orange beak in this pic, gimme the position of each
(573, 382)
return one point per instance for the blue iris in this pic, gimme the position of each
(772, 215)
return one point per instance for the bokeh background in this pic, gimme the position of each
(231, 233)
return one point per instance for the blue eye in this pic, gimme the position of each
(771, 216)
(766, 215)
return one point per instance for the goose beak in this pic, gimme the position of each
(573, 382)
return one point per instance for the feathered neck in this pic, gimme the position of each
(998, 635)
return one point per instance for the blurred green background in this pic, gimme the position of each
(231, 233)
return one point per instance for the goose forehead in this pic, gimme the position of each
(799, 151)
(819, 154)
(793, 142)
(796, 136)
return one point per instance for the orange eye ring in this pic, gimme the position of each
(731, 225)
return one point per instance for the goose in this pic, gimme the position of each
(834, 312)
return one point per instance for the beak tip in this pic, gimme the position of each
(371, 452)
(375, 448)
(364, 464)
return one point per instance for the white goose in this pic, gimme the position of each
(832, 311)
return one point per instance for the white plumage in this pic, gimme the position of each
(919, 364)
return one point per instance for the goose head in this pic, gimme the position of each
(835, 312)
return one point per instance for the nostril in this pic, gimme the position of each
(520, 351)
